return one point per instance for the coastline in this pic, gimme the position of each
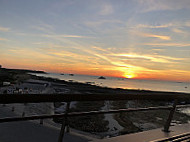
(17, 76)
(124, 83)
(101, 128)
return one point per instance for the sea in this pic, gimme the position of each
(125, 83)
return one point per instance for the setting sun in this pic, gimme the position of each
(129, 74)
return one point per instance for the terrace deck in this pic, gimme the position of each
(155, 135)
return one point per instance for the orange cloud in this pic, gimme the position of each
(168, 44)
(156, 36)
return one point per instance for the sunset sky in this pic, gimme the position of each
(144, 39)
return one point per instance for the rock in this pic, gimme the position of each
(101, 77)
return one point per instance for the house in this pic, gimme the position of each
(6, 83)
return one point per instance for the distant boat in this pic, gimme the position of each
(71, 74)
(101, 77)
(62, 74)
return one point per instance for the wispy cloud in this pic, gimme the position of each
(28, 54)
(97, 23)
(99, 48)
(3, 39)
(41, 28)
(179, 31)
(168, 44)
(162, 37)
(44, 27)
(106, 9)
(174, 26)
(39, 43)
(155, 58)
(156, 49)
(63, 36)
(187, 23)
(154, 26)
(118, 63)
(155, 5)
(4, 29)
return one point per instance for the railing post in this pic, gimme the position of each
(66, 119)
(168, 122)
(41, 121)
(23, 114)
(64, 123)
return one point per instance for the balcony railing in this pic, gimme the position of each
(132, 95)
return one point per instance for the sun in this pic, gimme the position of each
(129, 76)
(128, 73)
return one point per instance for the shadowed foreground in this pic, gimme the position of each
(28, 131)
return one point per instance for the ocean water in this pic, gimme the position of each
(114, 82)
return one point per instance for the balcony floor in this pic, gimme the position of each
(150, 136)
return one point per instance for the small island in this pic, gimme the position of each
(101, 77)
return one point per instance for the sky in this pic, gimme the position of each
(142, 39)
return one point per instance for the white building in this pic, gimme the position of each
(6, 83)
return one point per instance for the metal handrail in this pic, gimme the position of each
(130, 95)
(74, 114)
